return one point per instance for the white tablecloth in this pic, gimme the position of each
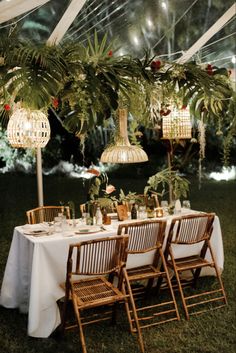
(37, 265)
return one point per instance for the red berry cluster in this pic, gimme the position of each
(55, 102)
(7, 107)
(155, 65)
(209, 69)
(165, 112)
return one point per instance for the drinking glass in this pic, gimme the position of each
(165, 205)
(186, 204)
(57, 224)
(51, 228)
(142, 213)
(64, 224)
(85, 216)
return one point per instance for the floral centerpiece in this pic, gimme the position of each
(100, 190)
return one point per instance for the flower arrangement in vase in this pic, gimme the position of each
(98, 195)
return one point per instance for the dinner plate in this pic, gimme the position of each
(87, 230)
(36, 233)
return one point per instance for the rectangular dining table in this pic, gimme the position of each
(36, 267)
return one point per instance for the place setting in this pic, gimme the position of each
(37, 230)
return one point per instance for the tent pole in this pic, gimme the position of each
(39, 176)
(208, 34)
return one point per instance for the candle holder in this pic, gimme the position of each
(159, 212)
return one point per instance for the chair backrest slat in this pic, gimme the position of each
(191, 229)
(144, 236)
(98, 257)
(46, 213)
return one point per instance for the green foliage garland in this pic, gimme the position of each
(86, 84)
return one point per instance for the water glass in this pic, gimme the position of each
(64, 225)
(186, 204)
(85, 216)
(165, 206)
(57, 224)
(51, 228)
(142, 213)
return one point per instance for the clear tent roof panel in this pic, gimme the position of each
(165, 27)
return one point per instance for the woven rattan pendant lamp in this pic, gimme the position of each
(28, 129)
(177, 125)
(123, 151)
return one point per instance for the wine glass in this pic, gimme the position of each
(165, 205)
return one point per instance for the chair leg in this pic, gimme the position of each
(196, 276)
(182, 295)
(169, 284)
(114, 313)
(179, 284)
(149, 286)
(127, 308)
(64, 315)
(132, 303)
(218, 275)
(82, 338)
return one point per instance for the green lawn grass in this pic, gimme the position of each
(207, 333)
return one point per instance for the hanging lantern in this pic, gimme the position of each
(28, 129)
(123, 151)
(177, 124)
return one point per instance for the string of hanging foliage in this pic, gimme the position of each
(85, 84)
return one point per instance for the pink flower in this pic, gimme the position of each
(93, 171)
(109, 189)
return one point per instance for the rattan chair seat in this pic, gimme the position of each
(146, 272)
(95, 291)
(190, 263)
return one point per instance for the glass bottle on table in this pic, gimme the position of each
(105, 218)
(89, 214)
(134, 211)
(150, 208)
(98, 216)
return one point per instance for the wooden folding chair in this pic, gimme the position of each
(97, 263)
(46, 213)
(146, 239)
(189, 231)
